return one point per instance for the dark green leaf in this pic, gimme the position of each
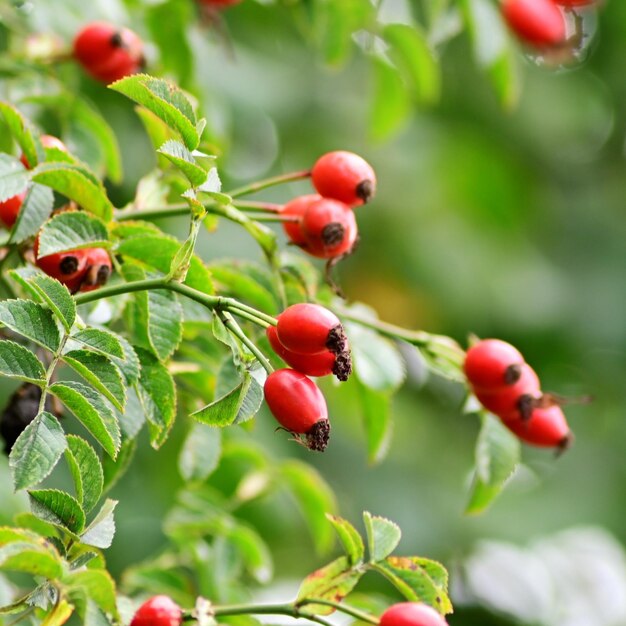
(35, 210)
(36, 451)
(349, 537)
(223, 411)
(18, 362)
(177, 154)
(23, 132)
(57, 297)
(382, 536)
(32, 321)
(115, 469)
(102, 341)
(72, 230)
(86, 471)
(58, 508)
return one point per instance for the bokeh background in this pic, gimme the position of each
(508, 224)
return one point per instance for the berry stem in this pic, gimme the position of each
(268, 182)
(235, 329)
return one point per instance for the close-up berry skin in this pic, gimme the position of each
(299, 406)
(492, 363)
(296, 208)
(536, 22)
(68, 267)
(546, 428)
(107, 52)
(344, 176)
(47, 141)
(329, 229)
(411, 614)
(99, 268)
(516, 397)
(10, 209)
(158, 611)
(321, 364)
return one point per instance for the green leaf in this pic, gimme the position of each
(18, 362)
(57, 297)
(102, 341)
(115, 469)
(100, 372)
(36, 451)
(177, 154)
(30, 558)
(72, 230)
(32, 321)
(93, 411)
(33, 214)
(200, 453)
(332, 582)
(97, 585)
(101, 531)
(382, 536)
(314, 498)
(159, 251)
(497, 456)
(349, 537)
(13, 177)
(445, 357)
(223, 411)
(163, 315)
(376, 410)
(253, 550)
(77, 183)
(418, 580)
(59, 614)
(157, 395)
(58, 508)
(410, 52)
(23, 132)
(86, 471)
(165, 100)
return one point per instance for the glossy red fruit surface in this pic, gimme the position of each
(492, 363)
(299, 406)
(321, 364)
(538, 22)
(99, 268)
(10, 209)
(546, 427)
(47, 141)
(307, 328)
(68, 267)
(329, 228)
(158, 611)
(411, 614)
(516, 397)
(344, 176)
(296, 208)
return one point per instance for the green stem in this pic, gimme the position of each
(235, 329)
(254, 206)
(268, 182)
(50, 372)
(344, 608)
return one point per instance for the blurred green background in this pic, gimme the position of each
(504, 224)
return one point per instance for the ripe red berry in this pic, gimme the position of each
(47, 141)
(517, 397)
(296, 208)
(538, 22)
(299, 406)
(573, 3)
(344, 176)
(158, 611)
(546, 427)
(68, 267)
(411, 614)
(10, 209)
(329, 229)
(321, 364)
(98, 270)
(492, 363)
(108, 53)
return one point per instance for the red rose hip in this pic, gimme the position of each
(299, 406)
(411, 614)
(10, 209)
(329, 229)
(546, 427)
(99, 269)
(344, 176)
(296, 208)
(68, 267)
(158, 611)
(537, 22)
(491, 363)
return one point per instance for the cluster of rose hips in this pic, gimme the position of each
(79, 270)
(312, 341)
(163, 611)
(540, 23)
(509, 388)
(323, 224)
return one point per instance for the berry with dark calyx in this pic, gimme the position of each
(47, 141)
(321, 364)
(522, 396)
(344, 176)
(296, 208)
(99, 268)
(299, 406)
(68, 267)
(492, 363)
(108, 53)
(158, 611)
(411, 614)
(10, 209)
(537, 22)
(546, 427)
(329, 229)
